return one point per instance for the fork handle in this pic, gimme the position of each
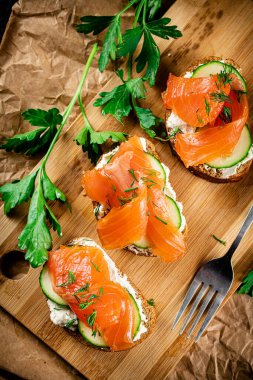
(247, 223)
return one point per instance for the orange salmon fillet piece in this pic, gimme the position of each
(214, 142)
(124, 225)
(191, 99)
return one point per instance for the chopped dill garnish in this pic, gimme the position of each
(130, 189)
(91, 318)
(220, 97)
(151, 302)
(95, 266)
(208, 108)
(101, 291)
(238, 94)
(199, 117)
(70, 323)
(85, 304)
(131, 171)
(160, 219)
(114, 188)
(219, 240)
(71, 280)
(83, 289)
(226, 115)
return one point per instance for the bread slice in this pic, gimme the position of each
(150, 148)
(147, 312)
(204, 171)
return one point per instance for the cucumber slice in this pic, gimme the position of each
(215, 67)
(47, 289)
(240, 151)
(86, 333)
(156, 165)
(175, 214)
(98, 340)
(176, 219)
(142, 243)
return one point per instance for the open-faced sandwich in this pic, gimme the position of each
(134, 202)
(88, 293)
(206, 120)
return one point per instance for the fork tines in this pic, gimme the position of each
(203, 293)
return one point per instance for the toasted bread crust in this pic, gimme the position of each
(134, 249)
(200, 170)
(148, 310)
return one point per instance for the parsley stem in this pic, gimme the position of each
(68, 110)
(138, 11)
(129, 5)
(83, 112)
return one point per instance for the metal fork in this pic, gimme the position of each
(213, 280)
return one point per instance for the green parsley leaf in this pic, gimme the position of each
(51, 192)
(150, 56)
(151, 302)
(95, 24)
(17, 192)
(147, 120)
(150, 53)
(92, 318)
(153, 6)
(91, 140)
(39, 139)
(116, 102)
(160, 29)
(35, 237)
(40, 118)
(219, 240)
(247, 285)
(109, 45)
(130, 40)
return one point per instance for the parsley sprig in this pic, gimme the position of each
(36, 238)
(124, 98)
(247, 285)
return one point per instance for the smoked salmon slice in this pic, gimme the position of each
(124, 185)
(87, 263)
(214, 142)
(113, 312)
(102, 305)
(194, 100)
(124, 225)
(166, 240)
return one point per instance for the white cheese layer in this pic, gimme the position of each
(60, 316)
(173, 123)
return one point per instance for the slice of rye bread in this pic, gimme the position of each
(201, 170)
(148, 310)
(150, 148)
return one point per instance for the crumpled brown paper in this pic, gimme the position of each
(41, 60)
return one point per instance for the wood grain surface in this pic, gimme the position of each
(220, 28)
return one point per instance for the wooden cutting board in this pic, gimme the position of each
(220, 28)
